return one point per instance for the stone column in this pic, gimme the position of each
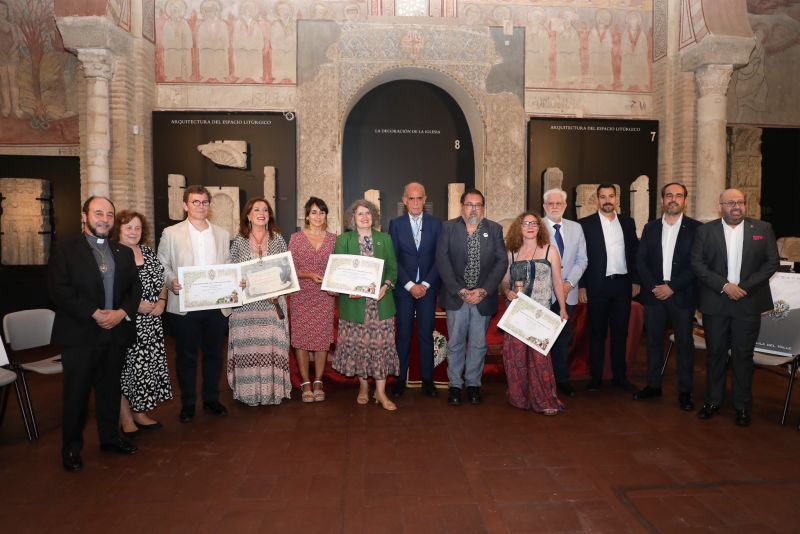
(712, 87)
(98, 67)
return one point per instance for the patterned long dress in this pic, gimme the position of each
(367, 349)
(258, 342)
(531, 383)
(311, 309)
(145, 376)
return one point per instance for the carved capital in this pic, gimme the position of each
(712, 80)
(96, 62)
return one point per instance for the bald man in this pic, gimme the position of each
(733, 258)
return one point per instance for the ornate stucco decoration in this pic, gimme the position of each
(226, 153)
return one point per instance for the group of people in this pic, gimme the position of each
(111, 291)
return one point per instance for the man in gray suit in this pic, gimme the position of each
(471, 258)
(568, 238)
(733, 259)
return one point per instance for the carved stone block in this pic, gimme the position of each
(586, 199)
(224, 209)
(226, 153)
(176, 184)
(270, 187)
(374, 196)
(26, 222)
(789, 248)
(640, 202)
(553, 177)
(454, 192)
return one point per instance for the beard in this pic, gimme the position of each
(97, 232)
(608, 208)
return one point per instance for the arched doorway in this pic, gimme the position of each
(402, 131)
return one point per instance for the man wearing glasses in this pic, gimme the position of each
(733, 259)
(472, 260)
(195, 241)
(568, 237)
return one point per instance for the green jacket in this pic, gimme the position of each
(353, 309)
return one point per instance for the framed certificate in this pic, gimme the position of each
(531, 323)
(268, 277)
(209, 287)
(353, 275)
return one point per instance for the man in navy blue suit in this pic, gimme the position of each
(414, 237)
(664, 265)
(608, 284)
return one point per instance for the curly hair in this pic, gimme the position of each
(126, 216)
(244, 223)
(350, 214)
(514, 235)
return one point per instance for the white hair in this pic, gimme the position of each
(553, 192)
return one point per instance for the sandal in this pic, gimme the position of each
(550, 412)
(319, 394)
(385, 403)
(308, 395)
(363, 396)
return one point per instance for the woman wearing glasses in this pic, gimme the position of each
(534, 269)
(258, 342)
(366, 342)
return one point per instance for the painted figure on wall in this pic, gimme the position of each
(568, 48)
(635, 67)
(282, 38)
(537, 49)
(601, 71)
(212, 42)
(9, 64)
(248, 44)
(472, 15)
(749, 84)
(176, 39)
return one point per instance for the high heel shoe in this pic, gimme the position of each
(386, 404)
(363, 396)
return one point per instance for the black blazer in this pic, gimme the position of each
(76, 288)
(409, 258)
(759, 262)
(650, 263)
(451, 258)
(594, 276)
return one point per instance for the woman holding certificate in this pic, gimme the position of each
(258, 340)
(311, 317)
(534, 268)
(366, 342)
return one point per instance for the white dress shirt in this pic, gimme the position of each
(734, 240)
(416, 233)
(615, 245)
(669, 236)
(203, 246)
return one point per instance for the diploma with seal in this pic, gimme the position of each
(209, 287)
(269, 277)
(531, 323)
(353, 275)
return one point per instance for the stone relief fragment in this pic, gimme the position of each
(640, 202)
(226, 153)
(224, 209)
(586, 199)
(176, 183)
(270, 188)
(374, 196)
(26, 222)
(454, 192)
(553, 177)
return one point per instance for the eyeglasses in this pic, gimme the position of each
(198, 203)
(554, 204)
(472, 206)
(530, 223)
(733, 203)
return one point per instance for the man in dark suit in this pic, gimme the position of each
(608, 284)
(472, 260)
(95, 286)
(414, 237)
(663, 264)
(733, 259)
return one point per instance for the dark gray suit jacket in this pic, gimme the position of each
(759, 262)
(451, 258)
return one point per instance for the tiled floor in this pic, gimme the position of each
(608, 464)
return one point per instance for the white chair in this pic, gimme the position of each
(8, 377)
(29, 329)
(699, 341)
(790, 364)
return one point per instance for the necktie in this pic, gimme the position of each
(417, 231)
(559, 240)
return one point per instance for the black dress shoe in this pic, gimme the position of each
(454, 397)
(151, 426)
(429, 389)
(685, 402)
(130, 435)
(215, 408)
(474, 395)
(566, 389)
(707, 411)
(624, 384)
(187, 414)
(647, 393)
(72, 461)
(119, 445)
(742, 418)
(595, 384)
(399, 389)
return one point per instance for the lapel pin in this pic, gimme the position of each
(485, 234)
